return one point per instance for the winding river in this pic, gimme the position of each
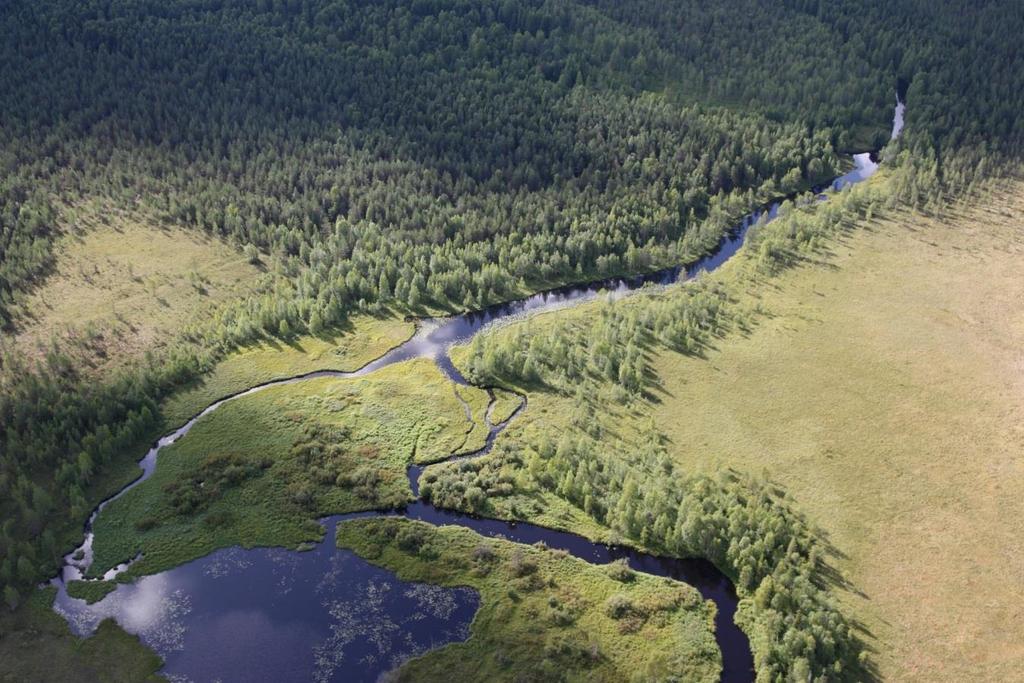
(325, 614)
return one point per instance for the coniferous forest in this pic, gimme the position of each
(429, 157)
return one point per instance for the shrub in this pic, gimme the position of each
(146, 523)
(618, 606)
(520, 564)
(620, 571)
(410, 539)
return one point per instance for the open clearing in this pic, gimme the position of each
(135, 283)
(884, 392)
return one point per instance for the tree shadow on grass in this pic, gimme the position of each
(828, 578)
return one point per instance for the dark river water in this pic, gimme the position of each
(324, 614)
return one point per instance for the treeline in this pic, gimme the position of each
(457, 129)
(609, 344)
(60, 433)
(609, 341)
(961, 70)
(451, 125)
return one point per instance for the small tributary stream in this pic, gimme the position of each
(325, 614)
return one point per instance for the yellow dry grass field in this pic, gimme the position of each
(884, 391)
(132, 283)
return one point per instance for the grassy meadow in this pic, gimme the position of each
(261, 469)
(883, 391)
(362, 340)
(124, 284)
(545, 615)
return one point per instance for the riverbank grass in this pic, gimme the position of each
(362, 339)
(883, 392)
(262, 468)
(506, 403)
(545, 615)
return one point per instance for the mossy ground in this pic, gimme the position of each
(544, 615)
(36, 646)
(259, 470)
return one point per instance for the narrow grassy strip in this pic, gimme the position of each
(505, 404)
(545, 615)
(477, 403)
(347, 348)
(91, 591)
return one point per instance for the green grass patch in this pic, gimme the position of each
(259, 470)
(545, 615)
(477, 403)
(505, 404)
(91, 591)
(364, 339)
(36, 646)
